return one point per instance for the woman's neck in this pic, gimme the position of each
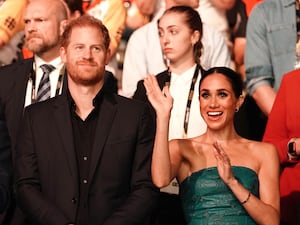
(225, 135)
(180, 68)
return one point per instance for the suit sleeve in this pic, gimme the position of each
(144, 195)
(5, 167)
(140, 93)
(28, 187)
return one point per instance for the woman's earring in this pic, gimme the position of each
(236, 109)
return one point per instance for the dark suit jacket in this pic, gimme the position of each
(13, 84)
(140, 93)
(5, 167)
(120, 186)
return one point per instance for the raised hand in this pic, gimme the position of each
(161, 100)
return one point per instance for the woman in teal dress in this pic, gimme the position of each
(224, 178)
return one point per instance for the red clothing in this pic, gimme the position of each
(284, 124)
(250, 4)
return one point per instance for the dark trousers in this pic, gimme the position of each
(169, 211)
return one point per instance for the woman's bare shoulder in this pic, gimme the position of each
(260, 148)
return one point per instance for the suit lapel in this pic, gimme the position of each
(63, 122)
(22, 81)
(22, 74)
(107, 114)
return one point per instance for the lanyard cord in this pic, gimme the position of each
(189, 101)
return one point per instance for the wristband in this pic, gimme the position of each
(247, 199)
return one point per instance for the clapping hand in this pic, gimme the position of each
(223, 163)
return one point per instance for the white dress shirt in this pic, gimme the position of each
(179, 90)
(57, 63)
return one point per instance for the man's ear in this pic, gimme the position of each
(62, 27)
(75, 14)
(62, 52)
(108, 56)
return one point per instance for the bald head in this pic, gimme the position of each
(44, 20)
(58, 7)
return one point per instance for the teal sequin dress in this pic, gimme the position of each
(206, 199)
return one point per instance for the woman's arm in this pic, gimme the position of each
(265, 209)
(162, 102)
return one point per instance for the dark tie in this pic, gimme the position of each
(44, 91)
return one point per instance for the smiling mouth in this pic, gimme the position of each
(214, 113)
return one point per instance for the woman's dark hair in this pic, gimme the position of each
(233, 77)
(194, 22)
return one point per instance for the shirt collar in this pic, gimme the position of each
(96, 101)
(186, 75)
(57, 63)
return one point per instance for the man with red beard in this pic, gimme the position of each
(19, 82)
(84, 156)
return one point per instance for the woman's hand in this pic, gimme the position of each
(161, 101)
(223, 164)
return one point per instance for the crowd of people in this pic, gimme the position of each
(149, 112)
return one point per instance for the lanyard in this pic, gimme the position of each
(32, 78)
(190, 97)
(189, 101)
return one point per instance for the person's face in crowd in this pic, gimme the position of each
(191, 3)
(176, 38)
(42, 27)
(85, 56)
(218, 102)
